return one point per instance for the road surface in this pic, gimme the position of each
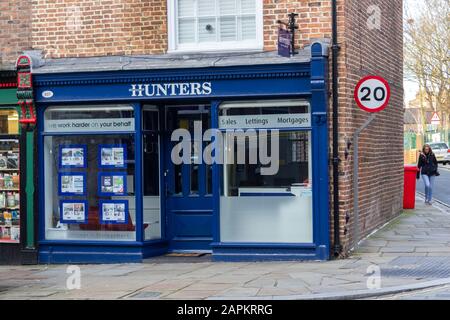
(440, 293)
(441, 189)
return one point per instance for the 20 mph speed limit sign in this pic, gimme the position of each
(372, 93)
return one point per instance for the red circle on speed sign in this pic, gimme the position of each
(372, 93)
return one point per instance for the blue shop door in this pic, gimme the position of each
(188, 186)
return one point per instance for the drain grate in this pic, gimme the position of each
(418, 267)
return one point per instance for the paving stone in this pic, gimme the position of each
(239, 292)
(191, 294)
(419, 234)
(398, 249)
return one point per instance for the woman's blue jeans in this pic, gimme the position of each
(429, 182)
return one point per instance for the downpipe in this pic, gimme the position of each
(335, 51)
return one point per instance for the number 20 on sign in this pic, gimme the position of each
(372, 94)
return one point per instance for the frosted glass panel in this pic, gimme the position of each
(272, 219)
(186, 31)
(248, 28)
(228, 29)
(186, 8)
(152, 217)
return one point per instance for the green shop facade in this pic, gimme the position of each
(17, 215)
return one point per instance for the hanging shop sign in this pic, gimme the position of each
(284, 43)
(90, 125)
(269, 121)
(372, 94)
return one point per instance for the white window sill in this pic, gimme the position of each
(215, 50)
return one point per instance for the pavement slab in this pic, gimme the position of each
(417, 236)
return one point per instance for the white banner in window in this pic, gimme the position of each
(269, 121)
(90, 125)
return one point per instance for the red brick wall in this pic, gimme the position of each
(378, 52)
(81, 28)
(314, 19)
(15, 30)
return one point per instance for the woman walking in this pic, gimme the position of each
(428, 168)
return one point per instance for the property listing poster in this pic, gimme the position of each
(112, 156)
(114, 212)
(73, 211)
(112, 184)
(72, 184)
(73, 156)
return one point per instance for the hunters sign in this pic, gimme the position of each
(171, 89)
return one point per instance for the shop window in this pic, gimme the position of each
(89, 172)
(151, 172)
(215, 24)
(9, 122)
(260, 207)
(9, 177)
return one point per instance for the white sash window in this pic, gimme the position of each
(213, 25)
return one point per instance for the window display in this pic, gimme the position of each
(95, 199)
(9, 191)
(273, 208)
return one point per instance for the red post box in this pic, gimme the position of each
(409, 189)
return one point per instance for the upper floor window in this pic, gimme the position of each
(202, 25)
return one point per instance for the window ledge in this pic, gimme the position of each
(216, 50)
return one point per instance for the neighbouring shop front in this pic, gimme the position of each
(110, 187)
(10, 216)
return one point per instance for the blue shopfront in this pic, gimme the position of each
(119, 180)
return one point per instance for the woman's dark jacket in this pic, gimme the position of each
(428, 164)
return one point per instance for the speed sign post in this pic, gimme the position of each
(372, 94)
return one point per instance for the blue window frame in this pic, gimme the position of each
(137, 219)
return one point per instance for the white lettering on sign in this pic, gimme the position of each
(171, 89)
(271, 121)
(89, 125)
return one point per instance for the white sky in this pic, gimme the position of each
(411, 87)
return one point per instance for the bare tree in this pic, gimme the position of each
(427, 54)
